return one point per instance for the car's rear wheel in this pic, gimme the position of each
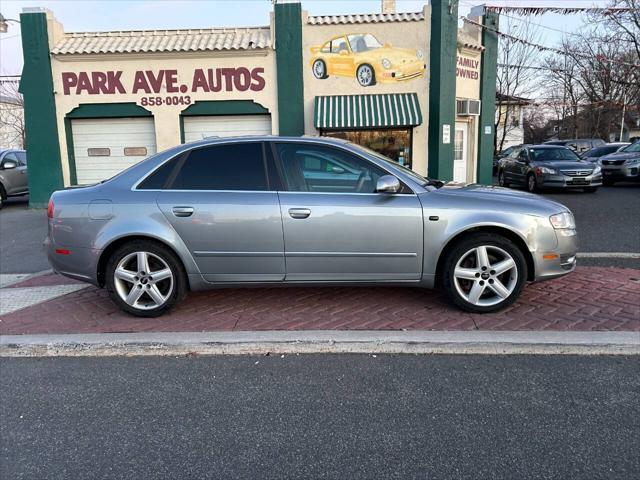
(532, 185)
(484, 273)
(145, 278)
(3, 195)
(502, 181)
(366, 75)
(319, 69)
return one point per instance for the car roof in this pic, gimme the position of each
(547, 146)
(267, 138)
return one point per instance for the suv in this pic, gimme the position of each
(622, 166)
(596, 153)
(13, 174)
(578, 145)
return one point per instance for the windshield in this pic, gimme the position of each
(600, 151)
(363, 42)
(553, 154)
(634, 148)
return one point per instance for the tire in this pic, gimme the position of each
(366, 75)
(608, 183)
(501, 180)
(319, 69)
(532, 186)
(463, 275)
(590, 189)
(3, 196)
(151, 302)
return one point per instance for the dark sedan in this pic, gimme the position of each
(549, 166)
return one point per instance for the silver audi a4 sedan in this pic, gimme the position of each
(266, 211)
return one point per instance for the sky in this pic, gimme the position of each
(100, 15)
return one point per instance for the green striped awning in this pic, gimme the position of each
(367, 111)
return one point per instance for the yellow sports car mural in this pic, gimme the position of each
(362, 56)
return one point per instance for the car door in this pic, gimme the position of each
(14, 179)
(342, 230)
(343, 58)
(521, 167)
(509, 164)
(219, 200)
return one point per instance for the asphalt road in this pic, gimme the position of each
(608, 221)
(321, 416)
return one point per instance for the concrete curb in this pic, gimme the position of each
(320, 341)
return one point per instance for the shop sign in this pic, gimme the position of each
(145, 82)
(468, 68)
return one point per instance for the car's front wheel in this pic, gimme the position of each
(484, 273)
(366, 75)
(145, 278)
(502, 181)
(532, 185)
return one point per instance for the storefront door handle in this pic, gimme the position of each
(299, 212)
(182, 211)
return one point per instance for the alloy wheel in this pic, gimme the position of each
(532, 183)
(143, 280)
(485, 275)
(318, 69)
(365, 75)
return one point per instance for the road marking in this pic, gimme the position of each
(608, 255)
(13, 299)
(320, 341)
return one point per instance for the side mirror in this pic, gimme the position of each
(9, 164)
(344, 52)
(387, 184)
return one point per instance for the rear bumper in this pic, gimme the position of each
(74, 262)
(558, 262)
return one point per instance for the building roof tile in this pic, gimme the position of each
(365, 18)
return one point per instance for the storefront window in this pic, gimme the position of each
(392, 143)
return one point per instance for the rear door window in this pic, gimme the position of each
(237, 166)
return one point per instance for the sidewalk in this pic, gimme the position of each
(592, 299)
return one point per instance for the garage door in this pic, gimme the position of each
(106, 146)
(197, 128)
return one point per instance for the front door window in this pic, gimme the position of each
(392, 143)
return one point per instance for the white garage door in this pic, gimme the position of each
(106, 146)
(197, 128)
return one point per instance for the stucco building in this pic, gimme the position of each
(412, 86)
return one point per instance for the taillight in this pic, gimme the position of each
(50, 208)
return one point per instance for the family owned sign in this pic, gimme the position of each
(207, 80)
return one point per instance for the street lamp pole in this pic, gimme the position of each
(4, 23)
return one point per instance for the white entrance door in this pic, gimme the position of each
(197, 128)
(103, 147)
(460, 148)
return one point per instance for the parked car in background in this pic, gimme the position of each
(13, 174)
(548, 166)
(194, 217)
(594, 154)
(504, 153)
(579, 145)
(622, 166)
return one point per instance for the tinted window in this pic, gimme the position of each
(237, 166)
(600, 151)
(159, 179)
(553, 154)
(11, 157)
(22, 156)
(313, 168)
(632, 148)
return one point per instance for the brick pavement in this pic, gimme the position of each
(593, 298)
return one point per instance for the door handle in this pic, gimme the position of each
(299, 212)
(182, 211)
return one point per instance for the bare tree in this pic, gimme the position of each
(515, 77)
(12, 130)
(535, 123)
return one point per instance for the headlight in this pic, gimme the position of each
(545, 170)
(596, 170)
(632, 161)
(386, 63)
(419, 54)
(563, 220)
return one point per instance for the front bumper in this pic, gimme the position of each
(560, 261)
(628, 173)
(405, 72)
(553, 180)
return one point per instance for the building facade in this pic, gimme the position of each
(98, 102)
